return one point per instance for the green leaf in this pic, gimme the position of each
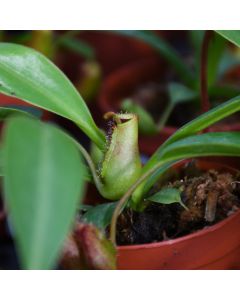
(100, 215)
(77, 46)
(231, 35)
(198, 124)
(208, 144)
(164, 49)
(179, 93)
(207, 119)
(228, 62)
(43, 186)
(167, 196)
(1, 161)
(146, 123)
(190, 129)
(32, 77)
(215, 54)
(6, 112)
(196, 38)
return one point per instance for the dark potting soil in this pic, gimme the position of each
(209, 196)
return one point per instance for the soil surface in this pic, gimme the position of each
(209, 196)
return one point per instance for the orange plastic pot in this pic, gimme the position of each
(112, 52)
(216, 247)
(124, 81)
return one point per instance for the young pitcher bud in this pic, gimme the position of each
(98, 252)
(121, 165)
(88, 248)
(71, 258)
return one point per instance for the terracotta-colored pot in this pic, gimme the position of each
(112, 52)
(7, 101)
(123, 82)
(216, 247)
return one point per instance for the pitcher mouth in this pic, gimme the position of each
(119, 118)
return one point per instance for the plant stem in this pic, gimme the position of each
(88, 159)
(123, 200)
(164, 117)
(205, 104)
(91, 165)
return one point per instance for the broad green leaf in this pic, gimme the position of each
(195, 126)
(167, 196)
(191, 128)
(146, 123)
(100, 215)
(4, 114)
(231, 35)
(207, 119)
(43, 186)
(30, 76)
(208, 144)
(163, 48)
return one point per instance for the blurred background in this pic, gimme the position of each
(155, 74)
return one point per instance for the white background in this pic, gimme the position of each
(124, 14)
(124, 285)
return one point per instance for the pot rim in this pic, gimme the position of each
(140, 64)
(190, 236)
